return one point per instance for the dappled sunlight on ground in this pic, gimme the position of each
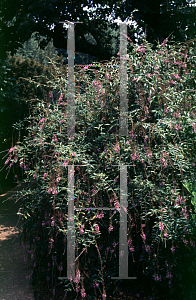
(6, 232)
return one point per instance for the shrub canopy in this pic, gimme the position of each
(159, 154)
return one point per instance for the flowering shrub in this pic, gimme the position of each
(159, 152)
(32, 79)
(22, 82)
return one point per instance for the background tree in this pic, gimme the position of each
(31, 50)
(160, 18)
(19, 19)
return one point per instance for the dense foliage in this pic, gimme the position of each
(8, 91)
(156, 18)
(22, 82)
(31, 49)
(159, 152)
(8, 116)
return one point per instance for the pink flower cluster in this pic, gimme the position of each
(141, 49)
(143, 236)
(51, 241)
(52, 190)
(100, 216)
(185, 241)
(117, 148)
(148, 248)
(157, 278)
(96, 228)
(164, 42)
(172, 82)
(65, 163)
(82, 229)
(54, 139)
(180, 64)
(74, 154)
(45, 174)
(169, 275)
(131, 249)
(83, 294)
(58, 179)
(60, 98)
(110, 228)
(12, 149)
(193, 126)
(117, 205)
(178, 200)
(135, 156)
(163, 161)
(71, 138)
(42, 120)
(149, 75)
(96, 83)
(77, 279)
(134, 79)
(161, 226)
(149, 154)
(60, 268)
(176, 76)
(172, 249)
(184, 211)
(88, 200)
(7, 160)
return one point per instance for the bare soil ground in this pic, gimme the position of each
(13, 269)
